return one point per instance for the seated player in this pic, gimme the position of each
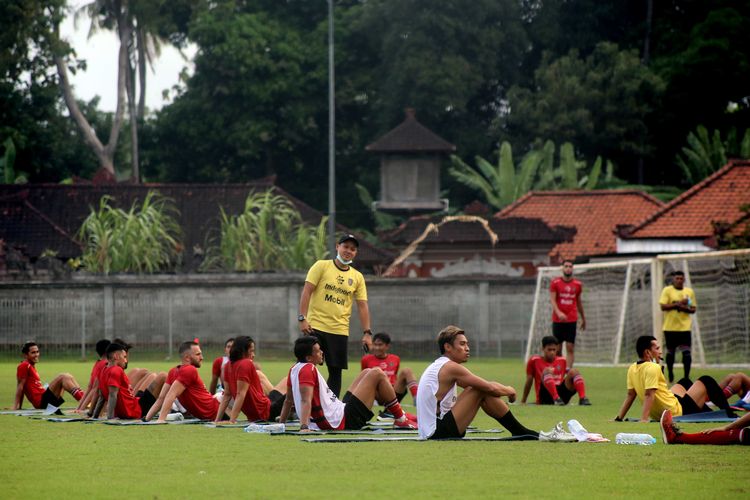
(217, 380)
(123, 400)
(319, 408)
(93, 388)
(736, 383)
(402, 379)
(646, 381)
(442, 412)
(245, 388)
(551, 381)
(188, 387)
(737, 432)
(30, 385)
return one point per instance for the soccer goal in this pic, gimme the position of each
(621, 302)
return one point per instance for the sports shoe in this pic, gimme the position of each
(385, 415)
(669, 431)
(584, 402)
(405, 423)
(559, 402)
(557, 435)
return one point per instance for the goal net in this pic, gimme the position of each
(620, 299)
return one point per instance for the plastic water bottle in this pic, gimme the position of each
(578, 431)
(266, 428)
(628, 438)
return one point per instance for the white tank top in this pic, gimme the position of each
(428, 408)
(333, 408)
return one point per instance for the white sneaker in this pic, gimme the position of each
(557, 435)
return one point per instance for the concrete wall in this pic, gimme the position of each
(158, 312)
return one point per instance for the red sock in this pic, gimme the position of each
(549, 384)
(395, 408)
(580, 386)
(412, 386)
(717, 437)
(728, 391)
(77, 393)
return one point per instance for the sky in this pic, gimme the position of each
(100, 53)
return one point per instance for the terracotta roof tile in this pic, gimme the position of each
(715, 199)
(595, 215)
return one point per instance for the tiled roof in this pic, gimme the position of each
(595, 215)
(513, 229)
(411, 137)
(715, 199)
(37, 217)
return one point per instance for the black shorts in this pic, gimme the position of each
(277, 402)
(334, 349)
(565, 332)
(446, 428)
(689, 406)
(545, 398)
(677, 339)
(145, 400)
(48, 398)
(356, 414)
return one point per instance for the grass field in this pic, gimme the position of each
(78, 460)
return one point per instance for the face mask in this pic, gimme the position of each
(345, 262)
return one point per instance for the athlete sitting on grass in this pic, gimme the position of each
(217, 378)
(245, 388)
(445, 414)
(646, 381)
(185, 384)
(319, 408)
(402, 379)
(551, 381)
(93, 388)
(737, 432)
(30, 385)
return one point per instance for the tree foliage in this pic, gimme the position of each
(707, 152)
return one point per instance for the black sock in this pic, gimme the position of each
(687, 360)
(514, 426)
(670, 366)
(715, 394)
(334, 380)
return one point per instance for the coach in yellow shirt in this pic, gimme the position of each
(331, 287)
(678, 303)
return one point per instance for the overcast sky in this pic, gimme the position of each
(100, 53)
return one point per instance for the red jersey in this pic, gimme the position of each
(389, 365)
(32, 386)
(127, 404)
(95, 371)
(216, 366)
(568, 295)
(256, 406)
(195, 398)
(172, 375)
(308, 375)
(536, 366)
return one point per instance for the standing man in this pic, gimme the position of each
(678, 303)
(565, 294)
(30, 385)
(331, 286)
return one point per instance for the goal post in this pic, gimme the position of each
(621, 302)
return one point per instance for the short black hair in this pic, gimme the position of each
(186, 346)
(447, 335)
(303, 347)
(678, 273)
(230, 339)
(101, 347)
(124, 344)
(113, 348)
(549, 340)
(27, 346)
(240, 347)
(643, 343)
(383, 337)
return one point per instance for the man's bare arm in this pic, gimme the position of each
(304, 304)
(527, 388)
(114, 391)
(174, 392)
(18, 399)
(626, 404)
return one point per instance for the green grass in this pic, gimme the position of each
(78, 460)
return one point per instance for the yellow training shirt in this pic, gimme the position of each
(648, 375)
(335, 291)
(674, 320)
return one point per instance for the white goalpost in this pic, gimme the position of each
(621, 302)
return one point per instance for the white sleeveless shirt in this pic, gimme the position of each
(428, 408)
(333, 408)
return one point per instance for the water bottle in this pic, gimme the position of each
(578, 431)
(628, 438)
(266, 428)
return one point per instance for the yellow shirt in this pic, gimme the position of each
(335, 291)
(648, 375)
(674, 320)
